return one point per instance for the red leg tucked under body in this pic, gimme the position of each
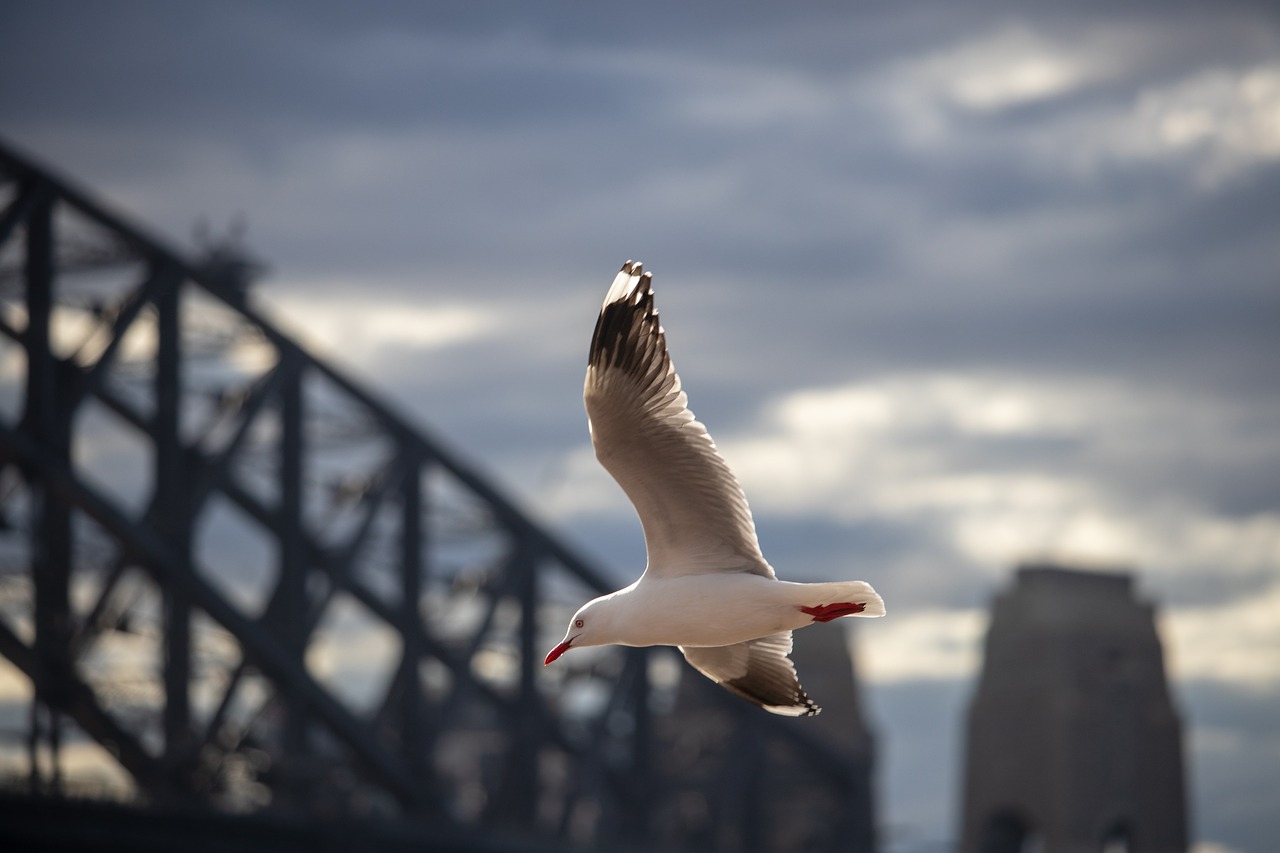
(827, 612)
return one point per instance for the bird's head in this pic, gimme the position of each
(590, 626)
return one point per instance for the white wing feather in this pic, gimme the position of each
(693, 510)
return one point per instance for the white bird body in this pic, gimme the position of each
(713, 609)
(707, 588)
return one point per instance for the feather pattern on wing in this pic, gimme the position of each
(759, 671)
(693, 510)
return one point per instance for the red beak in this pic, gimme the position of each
(556, 652)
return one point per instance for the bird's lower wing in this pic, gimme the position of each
(759, 671)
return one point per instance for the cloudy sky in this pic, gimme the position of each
(953, 284)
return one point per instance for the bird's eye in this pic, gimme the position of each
(577, 623)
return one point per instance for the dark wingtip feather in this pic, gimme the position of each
(627, 329)
(771, 696)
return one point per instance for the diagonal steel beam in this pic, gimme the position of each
(457, 664)
(268, 653)
(82, 706)
(98, 617)
(162, 277)
(31, 194)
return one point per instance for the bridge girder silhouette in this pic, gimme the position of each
(208, 534)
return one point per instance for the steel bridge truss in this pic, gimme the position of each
(232, 578)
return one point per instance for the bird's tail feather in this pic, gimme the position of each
(848, 592)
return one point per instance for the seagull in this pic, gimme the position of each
(707, 588)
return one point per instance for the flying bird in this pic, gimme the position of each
(707, 588)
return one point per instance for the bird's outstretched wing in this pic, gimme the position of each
(694, 513)
(759, 671)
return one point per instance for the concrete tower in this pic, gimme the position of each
(1073, 742)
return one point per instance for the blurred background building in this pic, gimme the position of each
(1074, 744)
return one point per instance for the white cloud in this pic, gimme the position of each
(1219, 119)
(1012, 66)
(1222, 120)
(355, 325)
(1008, 66)
(583, 488)
(1057, 523)
(936, 448)
(901, 448)
(1236, 641)
(882, 446)
(1212, 847)
(1212, 124)
(931, 644)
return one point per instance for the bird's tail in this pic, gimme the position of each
(829, 601)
